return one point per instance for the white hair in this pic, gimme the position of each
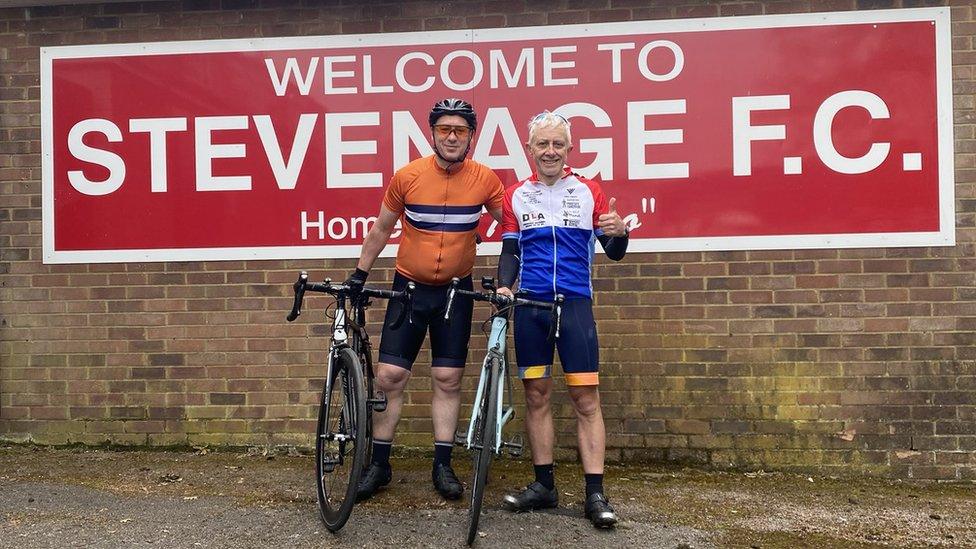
(547, 119)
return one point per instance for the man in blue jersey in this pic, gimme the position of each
(550, 222)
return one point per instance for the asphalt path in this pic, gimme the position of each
(107, 499)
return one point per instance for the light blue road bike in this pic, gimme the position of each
(491, 409)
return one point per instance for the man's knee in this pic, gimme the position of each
(447, 380)
(538, 393)
(390, 377)
(586, 400)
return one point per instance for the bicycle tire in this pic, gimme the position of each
(336, 458)
(369, 381)
(485, 449)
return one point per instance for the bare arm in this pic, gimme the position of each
(497, 214)
(376, 239)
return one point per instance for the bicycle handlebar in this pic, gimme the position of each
(302, 285)
(501, 301)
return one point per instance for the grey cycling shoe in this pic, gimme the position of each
(535, 496)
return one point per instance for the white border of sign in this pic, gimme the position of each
(939, 16)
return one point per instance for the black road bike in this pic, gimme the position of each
(343, 436)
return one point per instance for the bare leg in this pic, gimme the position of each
(590, 429)
(391, 380)
(538, 420)
(446, 401)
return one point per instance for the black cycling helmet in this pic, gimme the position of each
(454, 106)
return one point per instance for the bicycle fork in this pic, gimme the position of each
(331, 460)
(342, 434)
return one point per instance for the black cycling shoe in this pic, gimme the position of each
(599, 511)
(375, 477)
(446, 482)
(535, 496)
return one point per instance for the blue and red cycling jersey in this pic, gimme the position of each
(556, 227)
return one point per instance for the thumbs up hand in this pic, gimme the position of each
(610, 223)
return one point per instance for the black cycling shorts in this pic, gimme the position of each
(579, 351)
(448, 340)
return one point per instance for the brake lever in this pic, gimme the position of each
(450, 298)
(410, 288)
(559, 313)
(407, 309)
(299, 287)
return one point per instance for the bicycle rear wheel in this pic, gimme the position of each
(484, 448)
(340, 445)
(370, 392)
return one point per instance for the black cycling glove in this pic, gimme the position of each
(357, 279)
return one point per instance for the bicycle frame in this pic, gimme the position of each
(496, 350)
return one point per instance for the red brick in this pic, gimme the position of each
(720, 342)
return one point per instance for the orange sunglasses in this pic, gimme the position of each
(445, 130)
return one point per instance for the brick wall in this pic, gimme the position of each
(838, 360)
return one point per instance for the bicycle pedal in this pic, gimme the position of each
(378, 403)
(460, 438)
(514, 446)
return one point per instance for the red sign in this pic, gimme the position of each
(798, 131)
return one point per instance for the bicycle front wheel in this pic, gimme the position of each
(484, 447)
(340, 441)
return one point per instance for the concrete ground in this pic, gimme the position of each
(100, 498)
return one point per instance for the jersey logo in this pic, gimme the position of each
(533, 219)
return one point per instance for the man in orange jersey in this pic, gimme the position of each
(439, 199)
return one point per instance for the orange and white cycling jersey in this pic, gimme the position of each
(439, 212)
